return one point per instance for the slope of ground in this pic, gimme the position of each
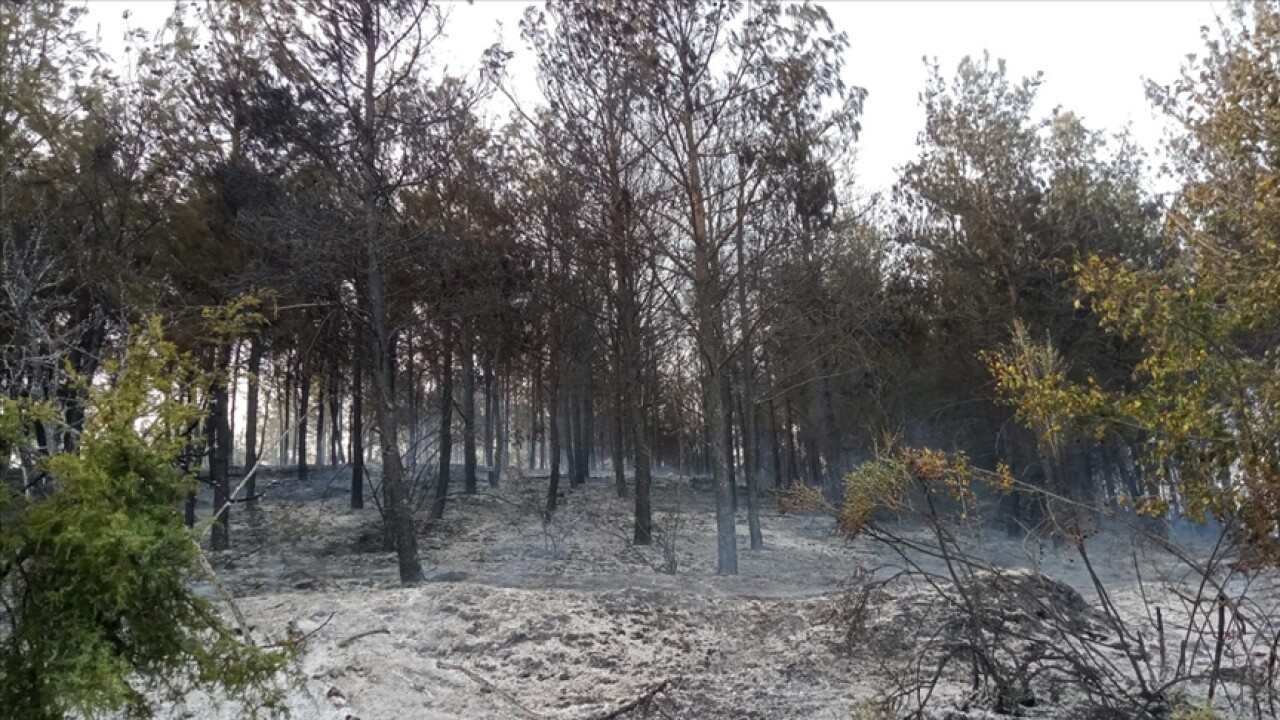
(566, 619)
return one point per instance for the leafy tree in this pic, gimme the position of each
(998, 208)
(1206, 391)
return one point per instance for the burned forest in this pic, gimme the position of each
(357, 363)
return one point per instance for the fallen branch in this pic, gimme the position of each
(413, 683)
(524, 711)
(307, 636)
(626, 707)
(227, 597)
(347, 643)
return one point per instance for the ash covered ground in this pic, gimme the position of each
(526, 619)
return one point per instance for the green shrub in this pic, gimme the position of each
(868, 710)
(99, 612)
(1194, 712)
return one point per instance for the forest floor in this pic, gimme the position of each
(521, 619)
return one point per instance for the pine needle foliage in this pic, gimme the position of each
(100, 614)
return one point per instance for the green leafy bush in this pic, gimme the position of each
(99, 612)
(1197, 712)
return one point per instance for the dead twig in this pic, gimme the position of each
(227, 597)
(347, 643)
(644, 699)
(309, 635)
(524, 712)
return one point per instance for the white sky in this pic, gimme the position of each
(1094, 55)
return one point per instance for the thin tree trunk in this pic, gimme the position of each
(814, 458)
(726, 402)
(535, 410)
(793, 467)
(320, 418)
(234, 390)
(501, 411)
(335, 419)
(775, 446)
(489, 409)
(574, 425)
(749, 439)
(834, 475)
(285, 413)
(544, 430)
(504, 440)
(219, 432)
(468, 409)
(399, 515)
(415, 416)
(619, 465)
(708, 459)
(304, 397)
(587, 451)
(567, 436)
(634, 382)
(251, 425)
(446, 417)
(357, 423)
(643, 534)
(553, 398)
(189, 506)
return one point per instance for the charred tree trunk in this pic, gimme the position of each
(487, 371)
(233, 389)
(357, 423)
(633, 381)
(446, 418)
(399, 516)
(615, 440)
(643, 534)
(749, 438)
(320, 418)
(553, 398)
(793, 467)
(335, 419)
(587, 453)
(414, 382)
(468, 409)
(286, 401)
(189, 506)
(504, 441)
(833, 487)
(490, 423)
(775, 446)
(726, 402)
(577, 432)
(565, 421)
(304, 396)
(535, 410)
(501, 412)
(251, 425)
(220, 443)
(813, 457)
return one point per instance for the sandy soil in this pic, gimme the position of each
(521, 619)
